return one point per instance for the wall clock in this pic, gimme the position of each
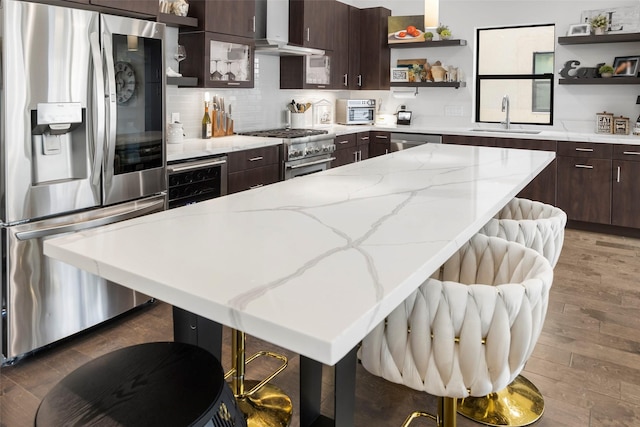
(125, 82)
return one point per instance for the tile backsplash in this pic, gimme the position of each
(262, 107)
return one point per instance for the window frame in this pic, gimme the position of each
(479, 78)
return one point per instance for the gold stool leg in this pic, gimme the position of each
(446, 416)
(264, 405)
(519, 404)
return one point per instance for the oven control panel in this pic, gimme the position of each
(304, 150)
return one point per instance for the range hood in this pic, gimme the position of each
(272, 30)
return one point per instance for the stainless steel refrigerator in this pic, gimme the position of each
(81, 145)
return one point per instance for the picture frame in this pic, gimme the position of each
(626, 66)
(604, 123)
(579, 30)
(621, 125)
(399, 74)
(398, 25)
(622, 19)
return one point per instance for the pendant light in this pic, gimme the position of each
(431, 13)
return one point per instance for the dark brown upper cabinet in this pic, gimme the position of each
(232, 17)
(311, 23)
(142, 7)
(375, 57)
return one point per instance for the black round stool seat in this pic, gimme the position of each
(152, 384)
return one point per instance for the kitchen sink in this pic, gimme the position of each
(523, 131)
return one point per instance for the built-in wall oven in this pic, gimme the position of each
(196, 180)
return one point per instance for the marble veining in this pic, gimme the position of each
(314, 263)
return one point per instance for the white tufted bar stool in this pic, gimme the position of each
(535, 225)
(538, 226)
(469, 329)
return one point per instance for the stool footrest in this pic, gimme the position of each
(262, 383)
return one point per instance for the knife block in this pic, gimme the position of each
(219, 127)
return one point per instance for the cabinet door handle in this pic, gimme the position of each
(255, 159)
(321, 86)
(253, 24)
(359, 155)
(386, 151)
(355, 156)
(343, 142)
(365, 138)
(382, 137)
(632, 153)
(233, 83)
(618, 173)
(584, 166)
(345, 80)
(308, 34)
(359, 80)
(586, 150)
(255, 186)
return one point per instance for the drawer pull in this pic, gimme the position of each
(233, 83)
(364, 138)
(343, 142)
(584, 166)
(382, 137)
(255, 159)
(586, 150)
(632, 153)
(255, 186)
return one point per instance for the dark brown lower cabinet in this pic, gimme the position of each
(254, 168)
(625, 205)
(253, 178)
(379, 143)
(584, 189)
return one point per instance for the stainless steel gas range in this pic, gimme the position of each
(306, 151)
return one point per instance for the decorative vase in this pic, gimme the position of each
(445, 37)
(598, 31)
(606, 75)
(439, 73)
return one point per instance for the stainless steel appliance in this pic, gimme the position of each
(356, 111)
(307, 151)
(192, 181)
(81, 145)
(402, 141)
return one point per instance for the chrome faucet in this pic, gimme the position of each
(505, 109)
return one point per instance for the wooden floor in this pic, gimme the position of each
(586, 363)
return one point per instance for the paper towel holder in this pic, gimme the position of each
(404, 93)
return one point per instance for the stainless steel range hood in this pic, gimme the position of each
(272, 30)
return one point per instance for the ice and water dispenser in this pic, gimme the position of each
(59, 138)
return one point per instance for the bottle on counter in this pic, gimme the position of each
(206, 122)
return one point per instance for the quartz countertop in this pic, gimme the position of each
(311, 264)
(554, 135)
(192, 148)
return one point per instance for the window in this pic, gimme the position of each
(517, 62)
(542, 64)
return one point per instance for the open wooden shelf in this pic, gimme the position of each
(429, 84)
(601, 81)
(604, 38)
(183, 81)
(434, 43)
(177, 21)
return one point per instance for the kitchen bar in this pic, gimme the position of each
(311, 264)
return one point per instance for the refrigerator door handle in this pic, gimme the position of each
(145, 209)
(98, 105)
(111, 98)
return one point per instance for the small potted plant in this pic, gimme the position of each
(428, 36)
(605, 71)
(599, 24)
(443, 29)
(445, 35)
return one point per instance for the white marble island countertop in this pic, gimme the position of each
(314, 263)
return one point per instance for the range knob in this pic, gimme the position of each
(316, 150)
